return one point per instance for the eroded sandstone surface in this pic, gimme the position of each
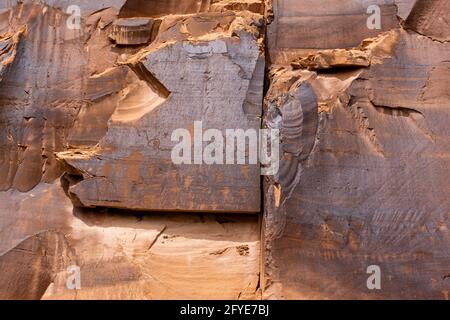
(87, 114)
(122, 255)
(206, 68)
(89, 103)
(364, 172)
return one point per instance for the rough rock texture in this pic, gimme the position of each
(8, 50)
(431, 19)
(208, 67)
(41, 93)
(28, 268)
(87, 179)
(337, 58)
(365, 167)
(65, 91)
(255, 6)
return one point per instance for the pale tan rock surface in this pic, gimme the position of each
(122, 255)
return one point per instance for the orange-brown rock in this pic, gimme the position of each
(8, 50)
(122, 255)
(431, 19)
(363, 176)
(310, 25)
(157, 8)
(337, 58)
(88, 184)
(65, 89)
(255, 6)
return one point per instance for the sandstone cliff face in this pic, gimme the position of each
(88, 106)
(96, 106)
(364, 171)
(122, 255)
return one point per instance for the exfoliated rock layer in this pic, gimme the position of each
(134, 31)
(209, 78)
(363, 179)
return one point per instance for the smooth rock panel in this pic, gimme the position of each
(158, 8)
(311, 25)
(122, 255)
(364, 176)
